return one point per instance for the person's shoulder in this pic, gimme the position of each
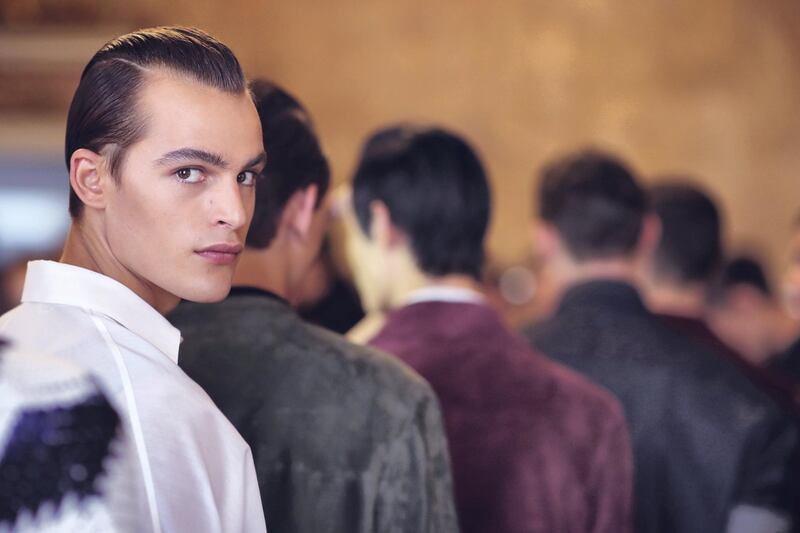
(535, 329)
(49, 328)
(577, 392)
(26, 369)
(43, 316)
(547, 329)
(365, 364)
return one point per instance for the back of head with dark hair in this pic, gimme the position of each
(743, 270)
(595, 204)
(690, 248)
(103, 112)
(295, 160)
(436, 191)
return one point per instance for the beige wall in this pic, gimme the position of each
(709, 88)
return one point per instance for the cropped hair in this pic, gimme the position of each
(295, 160)
(436, 191)
(690, 247)
(594, 202)
(105, 114)
(741, 270)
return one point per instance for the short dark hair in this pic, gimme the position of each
(295, 159)
(594, 202)
(104, 108)
(436, 191)
(745, 270)
(690, 248)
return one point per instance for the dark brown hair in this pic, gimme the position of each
(594, 202)
(295, 160)
(103, 110)
(436, 190)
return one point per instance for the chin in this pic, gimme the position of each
(205, 295)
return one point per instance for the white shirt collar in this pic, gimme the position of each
(441, 293)
(58, 283)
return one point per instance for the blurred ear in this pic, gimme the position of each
(88, 177)
(382, 231)
(650, 235)
(299, 212)
(545, 239)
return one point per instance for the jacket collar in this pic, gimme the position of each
(247, 290)
(606, 293)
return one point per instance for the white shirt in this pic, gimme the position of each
(196, 471)
(444, 293)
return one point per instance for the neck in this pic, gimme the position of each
(784, 330)
(685, 301)
(265, 269)
(86, 248)
(567, 272)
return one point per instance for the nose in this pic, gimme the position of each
(228, 204)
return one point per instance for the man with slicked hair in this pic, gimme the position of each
(345, 438)
(163, 147)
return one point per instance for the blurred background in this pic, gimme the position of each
(706, 89)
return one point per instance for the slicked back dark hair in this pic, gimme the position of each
(104, 113)
(690, 248)
(295, 160)
(436, 191)
(595, 203)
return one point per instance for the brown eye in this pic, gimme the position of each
(189, 175)
(246, 178)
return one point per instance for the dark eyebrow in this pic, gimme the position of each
(257, 160)
(184, 155)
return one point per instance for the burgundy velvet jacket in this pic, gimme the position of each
(535, 448)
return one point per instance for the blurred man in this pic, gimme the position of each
(711, 452)
(163, 146)
(344, 438)
(677, 280)
(535, 448)
(788, 362)
(747, 314)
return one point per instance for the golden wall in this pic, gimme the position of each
(707, 88)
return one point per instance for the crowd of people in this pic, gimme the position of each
(159, 377)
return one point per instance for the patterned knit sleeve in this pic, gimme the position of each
(57, 432)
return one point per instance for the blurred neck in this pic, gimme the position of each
(568, 272)
(266, 269)
(686, 301)
(784, 330)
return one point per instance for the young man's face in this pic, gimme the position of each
(180, 213)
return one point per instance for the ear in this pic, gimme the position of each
(87, 176)
(299, 212)
(381, 230)
(545, 239)
(650, 235)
